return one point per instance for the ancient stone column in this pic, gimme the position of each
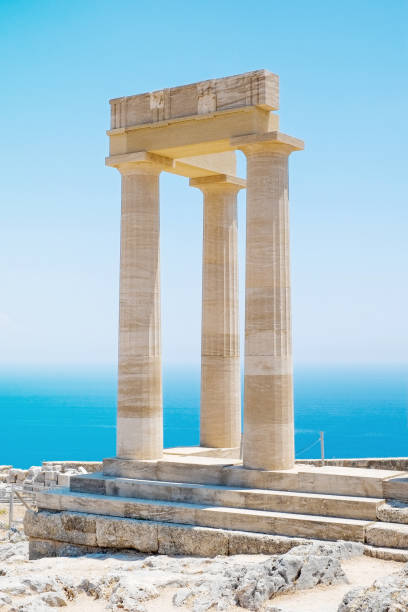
(268, 410)
(220, 415)
(140, 413)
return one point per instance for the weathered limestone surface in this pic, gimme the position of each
(173, 469)
(376, 463)
(203, 451)
(194, 120)
(38, 478)
(386, 553)
(392, 535)
(397, 488)
(334, 480)
(152, 536)
(389, 593)
(259, 88)
(221, 517)
(393, 511)
(256, 499)
(220, 408)
(177, 540)
(140, 418)
(268, 410)
(65, 466)
(92, 530)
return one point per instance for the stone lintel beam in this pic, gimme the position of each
(193, 136)
(190, 167)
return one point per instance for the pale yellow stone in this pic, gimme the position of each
(140, 419)
(220, 412)
(268, 410)
(194, 130)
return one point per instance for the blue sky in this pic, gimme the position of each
(343, 74)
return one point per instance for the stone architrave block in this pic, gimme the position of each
(258, 88)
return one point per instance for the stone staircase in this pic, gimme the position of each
(328, 503)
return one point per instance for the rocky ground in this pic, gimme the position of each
(308, 578)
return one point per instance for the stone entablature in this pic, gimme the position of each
(258, 88)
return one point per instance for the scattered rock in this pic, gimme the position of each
(90, 588)
(388, 594)
(11, 552)
(129, 596)
(37, 477)
(5, 600)
(250, 587)
(181, 597)
(55, 600)
(202, 584)
(40, 584)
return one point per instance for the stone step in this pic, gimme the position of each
(72, 533)
(255, 521)
(390, 535)
(386, 553)
(397, 488)
(331, 480)
(234, 497)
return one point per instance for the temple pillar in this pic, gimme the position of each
(220, 414)
(268, 392)
(140, 411)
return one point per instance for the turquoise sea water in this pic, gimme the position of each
(55, 415)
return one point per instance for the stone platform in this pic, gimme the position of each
(193, 503)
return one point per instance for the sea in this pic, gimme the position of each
(62, 414)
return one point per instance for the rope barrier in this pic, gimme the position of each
(309, 447)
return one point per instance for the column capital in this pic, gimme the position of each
(141, 162)
(270, 142)
(218, 182)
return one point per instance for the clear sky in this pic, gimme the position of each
(343, 70)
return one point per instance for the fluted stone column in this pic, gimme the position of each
(220, 415)
(140, 413)
(268, 411)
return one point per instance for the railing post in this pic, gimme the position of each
(11, 507)
(322, 446)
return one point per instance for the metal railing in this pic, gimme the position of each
(304, 450)
(315, 443)
(17, 496)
